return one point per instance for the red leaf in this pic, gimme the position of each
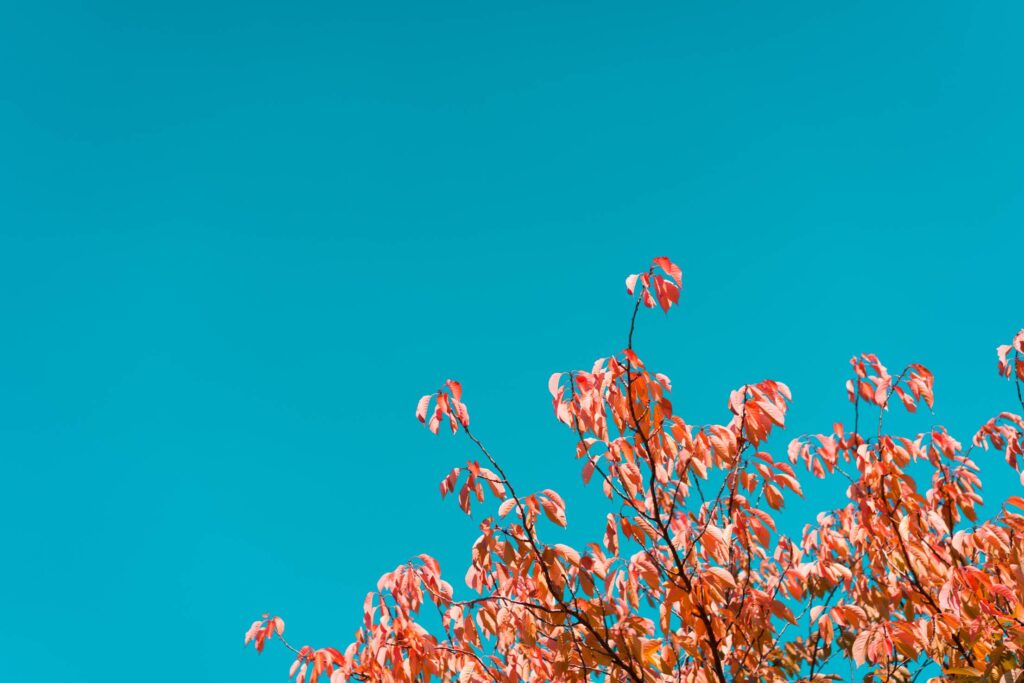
(455, 388)
(674, 271)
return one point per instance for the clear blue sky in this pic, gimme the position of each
(238, 240)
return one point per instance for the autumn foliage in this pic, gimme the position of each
(691, 580)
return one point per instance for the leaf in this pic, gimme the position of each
(859, 647)
(723, 575)
(553, 383)
(550, 493)
(455, 388)
(666, 292)
(588, 470)
(963, 671)
(463, 414)
(421, 408)
(780, 610)
(611, 535)
(506, 507)
(773, 412)
(674, 271)
(567, 552)
(631, 284)
(253, 629)
(553, 512)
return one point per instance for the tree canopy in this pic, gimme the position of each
(691, 581)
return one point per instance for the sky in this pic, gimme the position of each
(239, 240)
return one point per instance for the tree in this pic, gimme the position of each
(691, 581)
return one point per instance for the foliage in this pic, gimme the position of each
(691, 581)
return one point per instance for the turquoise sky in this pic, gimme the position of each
(238, 240)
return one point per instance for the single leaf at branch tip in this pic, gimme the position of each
(553, 383)
(456, 389)
(421, 408)
(674, 271)
(664, 381)
(631, 284)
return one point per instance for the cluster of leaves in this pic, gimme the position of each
(691, 580)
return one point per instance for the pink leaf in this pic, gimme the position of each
(555, 513)
(506, 507)
(553, 383)
(554, 497)
(421, 408)
(588, 471)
